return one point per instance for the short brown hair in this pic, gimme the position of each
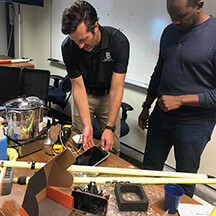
(75, 14)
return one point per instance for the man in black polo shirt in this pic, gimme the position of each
(96, 60)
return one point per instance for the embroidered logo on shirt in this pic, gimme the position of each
(108, 57)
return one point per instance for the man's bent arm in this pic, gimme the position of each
(116, 93)
(80, 99)
(169, 102)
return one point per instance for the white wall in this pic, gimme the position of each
(36, 39)
(36, 44)
(3, 32)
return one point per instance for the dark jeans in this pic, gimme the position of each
(189, 141)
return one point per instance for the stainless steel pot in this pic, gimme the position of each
(24, 117)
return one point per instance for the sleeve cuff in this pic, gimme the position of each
(202, 100)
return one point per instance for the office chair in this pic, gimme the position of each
(35, 82)
(124, 130)
(23, 82)
(57, 93)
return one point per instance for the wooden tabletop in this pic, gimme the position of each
(10, 204)
(23, 64)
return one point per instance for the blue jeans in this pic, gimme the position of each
(189, 141)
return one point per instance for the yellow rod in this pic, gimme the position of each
(213, 212)
(108, 170)
(135, 172)
(136, 180)
(114, 180)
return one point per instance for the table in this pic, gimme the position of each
(10, 205)
(24, 64)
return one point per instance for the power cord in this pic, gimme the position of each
(64, 133)
(72, 145)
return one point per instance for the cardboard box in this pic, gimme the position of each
(52, 174)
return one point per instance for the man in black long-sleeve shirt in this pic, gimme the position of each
(184, 82)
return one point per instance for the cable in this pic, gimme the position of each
(61, 140)
(10, 39)
(61, 134)
(64, 134)
(76, 151)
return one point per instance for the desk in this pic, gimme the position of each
(24, 64)
(10, 204)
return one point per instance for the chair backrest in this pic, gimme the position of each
(124, 130)
(97, 132)
(66, 84)
(35, 82)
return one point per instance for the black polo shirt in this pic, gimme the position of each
(97, 67)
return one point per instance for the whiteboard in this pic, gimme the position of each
(142, 21)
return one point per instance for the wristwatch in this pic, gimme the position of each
(111, 128)
(144, 104)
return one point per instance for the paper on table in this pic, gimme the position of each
(194, 209)
(77, 138)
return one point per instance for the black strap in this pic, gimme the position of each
(33, 165)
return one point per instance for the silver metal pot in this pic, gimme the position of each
(24, 117)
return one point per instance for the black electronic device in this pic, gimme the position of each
(90, 203)
(92, 156)
(6, 180)
(28, 2)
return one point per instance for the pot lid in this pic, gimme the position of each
(28, 103)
